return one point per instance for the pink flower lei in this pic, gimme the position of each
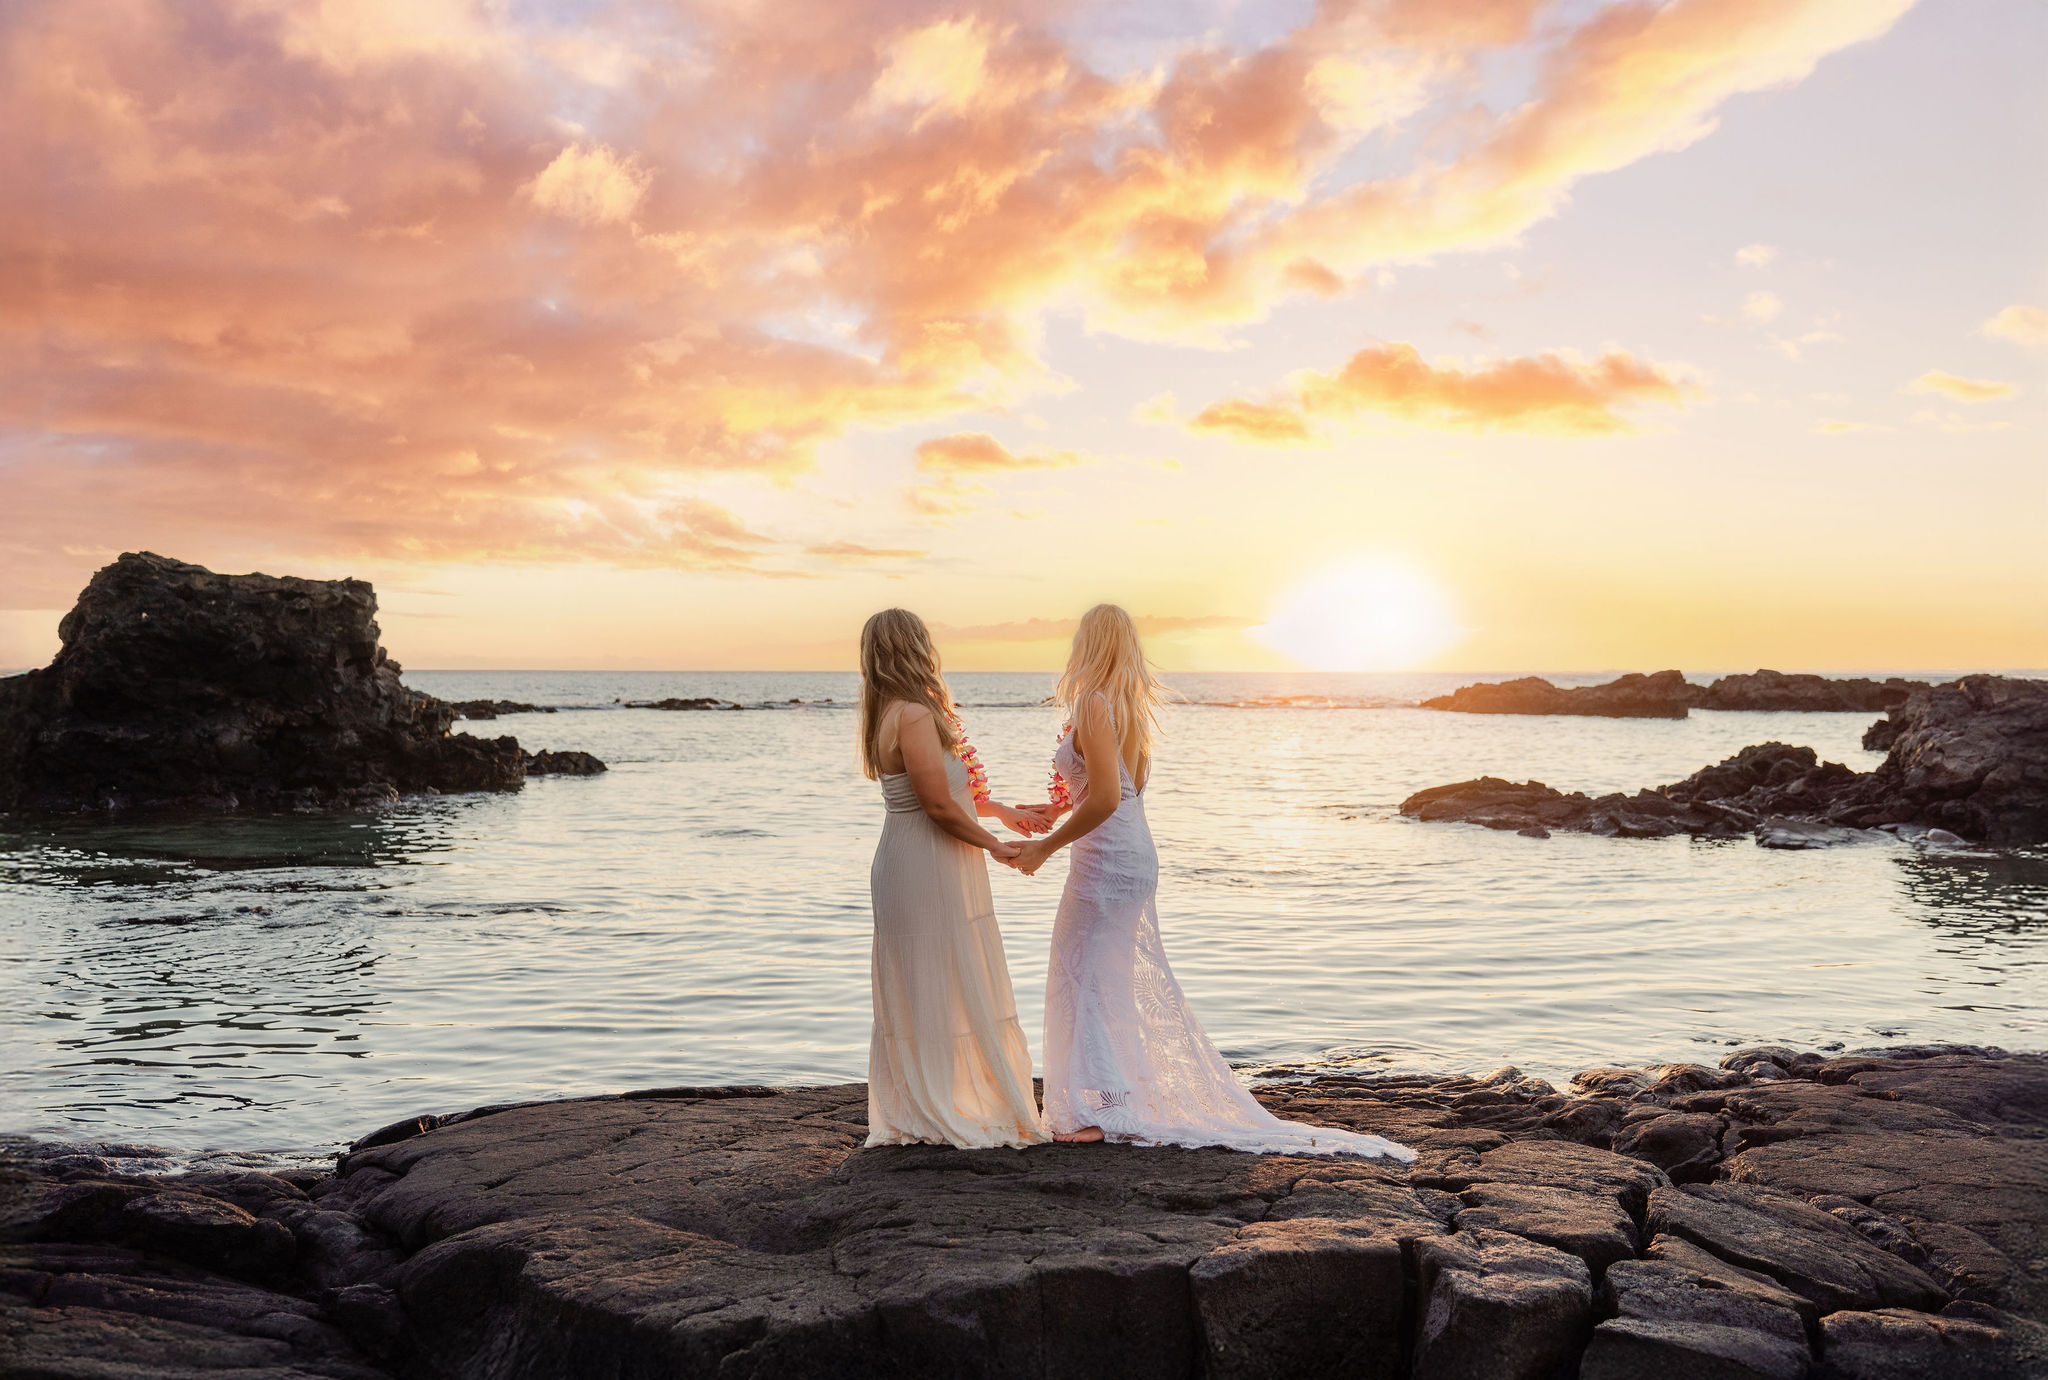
(1059, 792)
(977, 774)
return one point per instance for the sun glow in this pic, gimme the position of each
(1369, 614)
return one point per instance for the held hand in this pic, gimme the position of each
(1005, 851)
(1043, 809)
(1020, 821)
(1031, 856)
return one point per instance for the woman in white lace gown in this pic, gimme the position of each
(1125, 1059)
(947, 1063)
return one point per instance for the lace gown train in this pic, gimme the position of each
(948, 1062)
(1122, 1049)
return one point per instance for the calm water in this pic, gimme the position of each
(699, 913)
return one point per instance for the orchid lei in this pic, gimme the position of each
(977, 774)
(1060, 793)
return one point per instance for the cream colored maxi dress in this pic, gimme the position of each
(948, 1063)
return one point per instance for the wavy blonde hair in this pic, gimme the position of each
(1108, 657)
(899, 662)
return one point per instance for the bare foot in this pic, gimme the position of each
(1087, 1135)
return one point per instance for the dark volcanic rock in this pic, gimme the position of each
(1668, 695)
(1970, 758)
(562, 764)
(1301, 1297)
(1498, 1306)
(1769, 781)
(1960, 1343)
(636, 1235)
(694, 702)
(1665, 695)
(1669, 1321)
(1776, 690)
(1972, 1193)
(1685, 1145)
(175, 685)
(1808, 1251)
(743, 1232)
(491, 709)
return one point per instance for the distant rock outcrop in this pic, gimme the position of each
(1776, 690)
(178, 686)
(1669, 695)
(1665, 695)
(491, 709)
(1970, 758)
(693, 702)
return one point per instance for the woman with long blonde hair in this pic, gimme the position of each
(947, 1062)
(1125, 1059)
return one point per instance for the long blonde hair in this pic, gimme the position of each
(1108, 657)
(899, 662)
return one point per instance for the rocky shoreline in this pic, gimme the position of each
(1784, 1214)
(1967, 761)
(1669, 695)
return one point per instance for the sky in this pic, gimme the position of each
(1371, 334)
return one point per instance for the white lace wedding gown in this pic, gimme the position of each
(1122, 1050)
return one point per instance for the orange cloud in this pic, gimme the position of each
(851, 552)
(1549, 394)
(460, 281)
(1961, 389)
(949, 458)
(977, 452)
(1273, 424)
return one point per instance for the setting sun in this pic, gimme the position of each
(1369, 614)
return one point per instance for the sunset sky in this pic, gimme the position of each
(1459, 334)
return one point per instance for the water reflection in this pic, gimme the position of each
(2007, 888)
(144, 849)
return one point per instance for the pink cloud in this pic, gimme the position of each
(1550, 394)
(434, 281)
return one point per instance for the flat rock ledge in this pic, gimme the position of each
(1784, 1214)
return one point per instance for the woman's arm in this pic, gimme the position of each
(1014, 818)
(925, 761)
(1096, 742)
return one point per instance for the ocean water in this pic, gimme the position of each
(699, 913)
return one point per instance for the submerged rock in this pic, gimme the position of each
(491, 709)
(562, 764)
(179, 686)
